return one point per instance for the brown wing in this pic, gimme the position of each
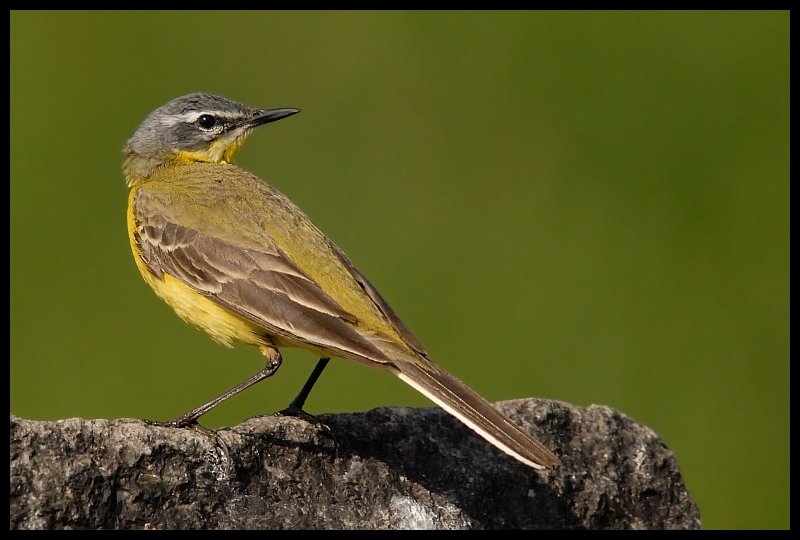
(262, 285)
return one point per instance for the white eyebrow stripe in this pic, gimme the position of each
(173, 119)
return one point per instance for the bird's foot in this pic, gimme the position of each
(298, 412)
(219, 444)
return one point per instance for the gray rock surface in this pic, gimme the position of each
(386, 468)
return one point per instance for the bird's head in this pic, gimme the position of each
(195, 128)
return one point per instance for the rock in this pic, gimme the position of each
(395, 468)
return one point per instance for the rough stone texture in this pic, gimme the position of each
(388, 468)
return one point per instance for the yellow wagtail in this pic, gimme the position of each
(237, 259)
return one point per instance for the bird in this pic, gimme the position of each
(237, 259)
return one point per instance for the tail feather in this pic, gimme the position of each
(474, 411)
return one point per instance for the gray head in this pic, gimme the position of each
(197, 127)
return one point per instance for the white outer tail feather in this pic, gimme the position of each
(488, 437)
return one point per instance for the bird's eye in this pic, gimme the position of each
(206, 121)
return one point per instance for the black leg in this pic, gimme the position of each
(300, 401)
(295, 408)
(190, 418)
(273, 363)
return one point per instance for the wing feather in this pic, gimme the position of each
(261, 285)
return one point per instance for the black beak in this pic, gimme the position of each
(265, 116)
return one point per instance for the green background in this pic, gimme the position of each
(590, 207)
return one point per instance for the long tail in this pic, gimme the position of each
(474, 411)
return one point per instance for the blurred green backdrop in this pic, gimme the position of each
(591, 207)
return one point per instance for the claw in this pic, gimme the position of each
(297, 412)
